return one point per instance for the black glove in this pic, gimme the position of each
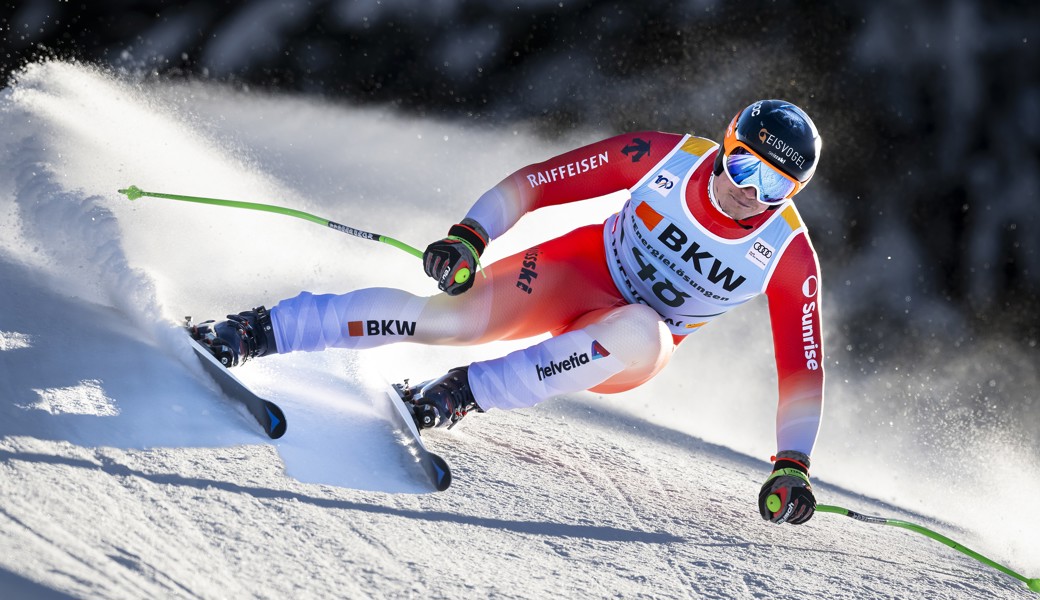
(787, 497)
(453, 260)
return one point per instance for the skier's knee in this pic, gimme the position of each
(636, 333)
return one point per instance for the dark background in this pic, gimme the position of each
(923, 211)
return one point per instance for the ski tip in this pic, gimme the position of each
(441, 473)
(276, 425)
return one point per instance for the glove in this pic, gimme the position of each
(786, 496)
(453, 260)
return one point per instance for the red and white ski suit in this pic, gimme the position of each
(618, 298)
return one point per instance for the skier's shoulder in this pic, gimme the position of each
(642, 143)
(798, 259)
(788, 213)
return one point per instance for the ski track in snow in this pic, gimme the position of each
(124, 474)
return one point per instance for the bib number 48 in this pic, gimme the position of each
(664, 290)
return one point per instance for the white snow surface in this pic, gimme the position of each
(124, 474)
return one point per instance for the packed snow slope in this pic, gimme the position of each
(123, 474)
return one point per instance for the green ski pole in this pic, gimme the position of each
(1033, 584)
(133, 193)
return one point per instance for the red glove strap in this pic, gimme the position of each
(470, 235)
(791, 460)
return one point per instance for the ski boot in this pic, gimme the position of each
(243, 336)
(440, 402)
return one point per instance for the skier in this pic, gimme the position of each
(707, 228)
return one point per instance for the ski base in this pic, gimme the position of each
(266, 413)
(436, 468)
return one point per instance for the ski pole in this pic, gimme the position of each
(1033, 584)
(133, 193)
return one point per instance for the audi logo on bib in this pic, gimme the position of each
(760, 253)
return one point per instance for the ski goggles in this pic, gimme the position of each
(746, 168)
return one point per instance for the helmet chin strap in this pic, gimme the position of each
(715, 172)
(711, 195)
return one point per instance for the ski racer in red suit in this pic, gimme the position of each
(707, 228)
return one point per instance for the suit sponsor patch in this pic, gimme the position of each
(380, 327)
(760, 253)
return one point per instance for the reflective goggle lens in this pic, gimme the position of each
(746, 169)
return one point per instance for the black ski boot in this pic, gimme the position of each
(443, 401)
(243, 336)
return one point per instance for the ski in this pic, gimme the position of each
(436, 468)
(266, 413)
